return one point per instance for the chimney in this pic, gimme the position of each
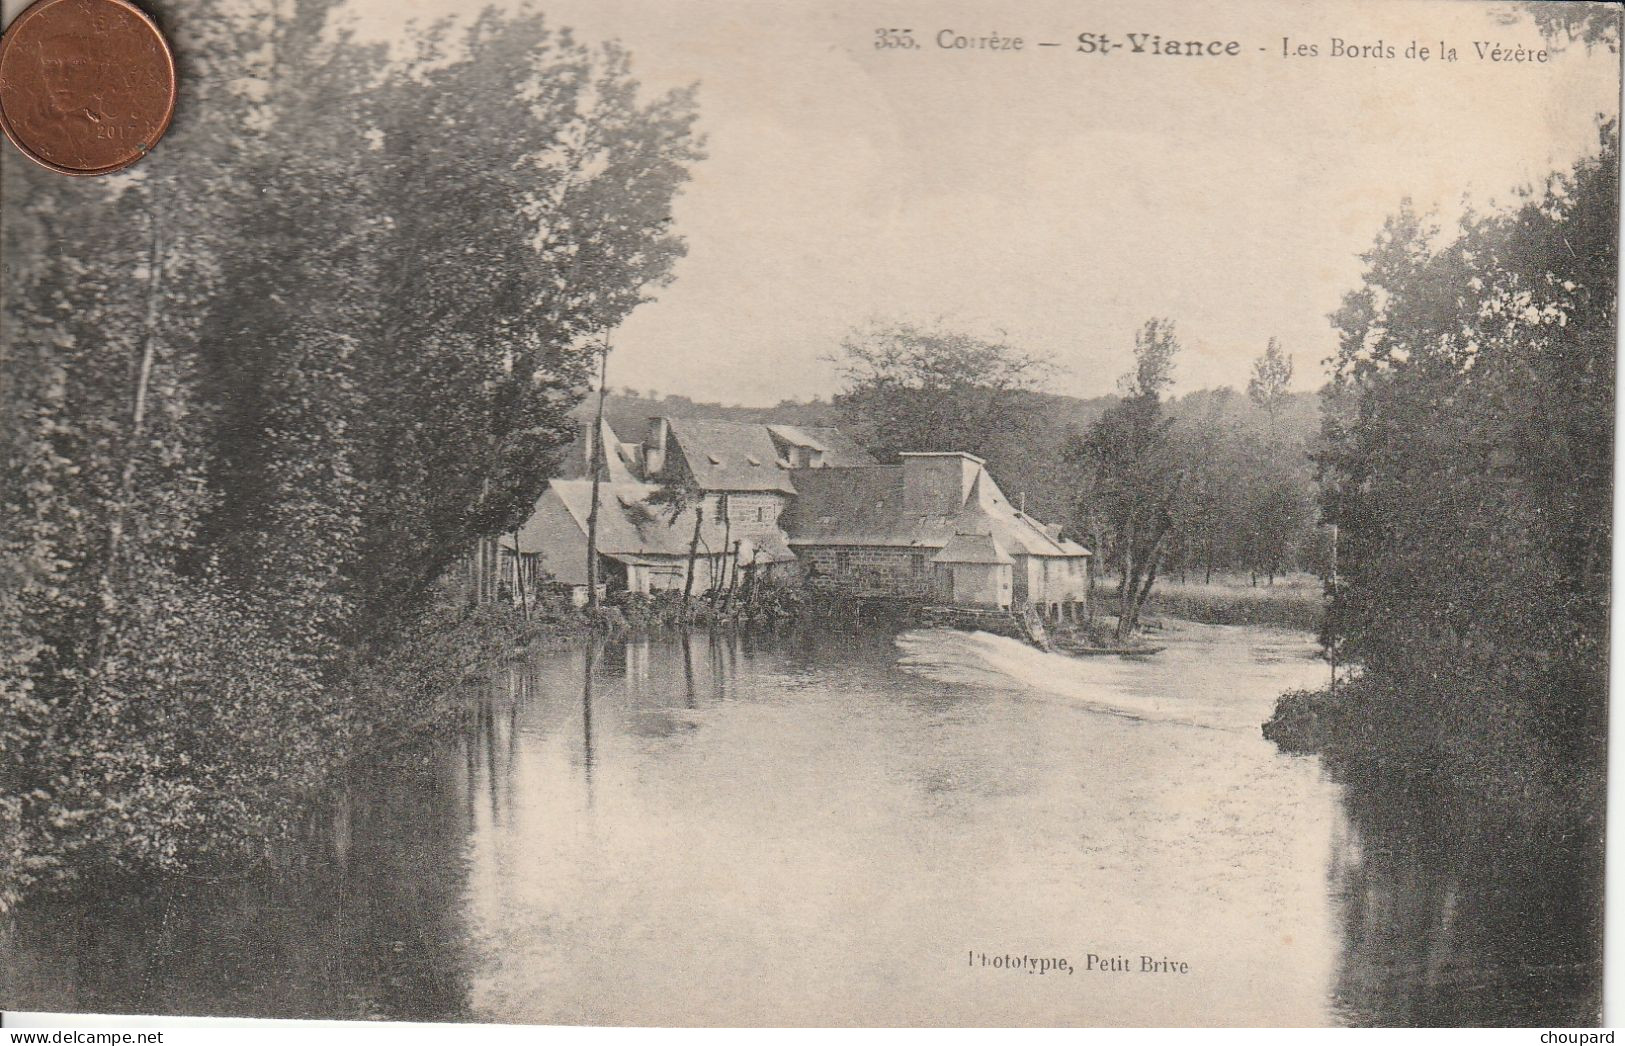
(654, 448)
(937, 484)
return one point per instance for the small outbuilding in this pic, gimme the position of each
(975, 571)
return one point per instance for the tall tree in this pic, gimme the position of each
(1468, 465)
(1206, 442)
(1137, 476)
(1272, 375)
(512, 254)
(599, 451)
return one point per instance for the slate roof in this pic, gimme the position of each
(973, 548)
(743, 456)
(854, 506)
(839, 449)
(730, 455)
(864, 506)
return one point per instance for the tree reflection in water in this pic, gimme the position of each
(1455, 916)
(364, 920)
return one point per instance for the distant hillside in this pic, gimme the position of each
(629, 415)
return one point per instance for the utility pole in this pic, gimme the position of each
(594, 444)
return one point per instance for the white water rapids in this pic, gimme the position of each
(1208, 676)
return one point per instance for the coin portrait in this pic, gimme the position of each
(86, 86)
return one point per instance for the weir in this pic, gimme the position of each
(1026, 625)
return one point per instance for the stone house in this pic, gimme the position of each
(934, 528)
(796, 500)
(743, 472)
(739, 473)
(642, 548)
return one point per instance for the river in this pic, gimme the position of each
(827, 828)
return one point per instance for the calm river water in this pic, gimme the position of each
(827, 829)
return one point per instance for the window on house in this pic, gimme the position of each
(761, 514)
(843, 561)
(917, 560)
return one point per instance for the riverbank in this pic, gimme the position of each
(1471, 741)
(1296, 602)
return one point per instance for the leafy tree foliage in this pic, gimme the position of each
(262, 390)
(1593, 25)
(919, 389)
(1272, 376)
(1468, 466)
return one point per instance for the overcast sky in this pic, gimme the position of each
(1059, 197)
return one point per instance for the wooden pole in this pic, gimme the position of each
(733, 576)
(519, 578)
(596, 439)
(721, 568)
(693, 554)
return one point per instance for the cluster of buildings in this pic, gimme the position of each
(749, 500)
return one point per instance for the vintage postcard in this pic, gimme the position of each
(821, 513)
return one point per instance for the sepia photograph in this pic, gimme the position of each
(824, 513)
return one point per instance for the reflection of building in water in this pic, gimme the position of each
(490, 743)
(783, 501)
(637, 662)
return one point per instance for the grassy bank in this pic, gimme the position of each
(1295, 602)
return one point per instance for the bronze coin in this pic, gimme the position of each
(86, 86)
